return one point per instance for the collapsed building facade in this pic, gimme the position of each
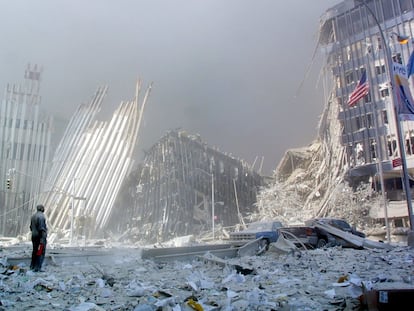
(182, 187)
(79, 179)
(354, 44)
(357, 143)
(185, 187)
(25, 148)
(90, 164)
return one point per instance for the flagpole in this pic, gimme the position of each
(401, 146)
(381, 172)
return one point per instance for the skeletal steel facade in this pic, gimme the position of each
(25, 138)
(90, 164)
(352, 42)
(184, 185)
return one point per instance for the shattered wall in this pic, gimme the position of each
(173, 193)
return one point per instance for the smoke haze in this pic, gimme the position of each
(229, 70)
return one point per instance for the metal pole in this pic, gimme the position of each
(72, 214)
(390, 69)
(212, 203)
(237, 204)
(381, 172)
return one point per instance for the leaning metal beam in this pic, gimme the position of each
(78, 123)
(93, 165)
(57, 186)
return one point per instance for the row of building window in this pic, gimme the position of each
(362, 158)
(22, 124)
(353, 76)
(357, 21)
(364, 121)
(25, 152)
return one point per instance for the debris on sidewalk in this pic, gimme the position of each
(321, 279)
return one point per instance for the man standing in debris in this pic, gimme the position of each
(39, 235)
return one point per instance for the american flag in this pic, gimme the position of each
(360, 91)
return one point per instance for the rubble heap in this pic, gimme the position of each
(311, 181)
(321, 279)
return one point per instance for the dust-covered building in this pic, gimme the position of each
(365, 41)
(186, 187)
(25, 143)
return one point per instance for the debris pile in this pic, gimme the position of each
(322, 279)
(310, 182)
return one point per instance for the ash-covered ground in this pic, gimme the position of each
(322, 279)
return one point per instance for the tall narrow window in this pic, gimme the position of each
(385, 117)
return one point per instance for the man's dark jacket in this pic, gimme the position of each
(38, 227)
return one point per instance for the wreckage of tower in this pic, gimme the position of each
(185, 187)
(25, 140)
(89, 183)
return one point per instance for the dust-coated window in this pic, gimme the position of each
(349, 77)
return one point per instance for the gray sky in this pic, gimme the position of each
(229, 70)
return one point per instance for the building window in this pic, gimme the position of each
(341, 27)
(349, 77)
(392, 148)
(369, 121)
(360, 154)
(380, 69)
(358, 122)
(385, 93)
(387, 9)
(373, 149)
(379, 43)
(367, 98)
(405, 6)
(409, 145)
(385, 117)
(397, 58)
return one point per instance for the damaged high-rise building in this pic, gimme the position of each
(371, 41)
(186, 187)
(358, 140)
(182, 187)
(25, 148)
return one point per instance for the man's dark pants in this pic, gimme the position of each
(37, 261)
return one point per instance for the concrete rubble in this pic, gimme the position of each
(282, 278)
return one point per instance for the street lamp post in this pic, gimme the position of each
(73, 211)
(211, 175)
(406, 180)
(212, 202)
